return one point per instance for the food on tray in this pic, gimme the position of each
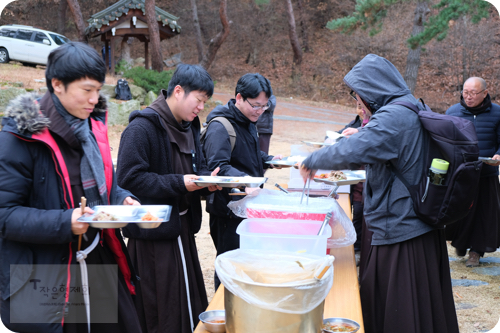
(338, 327)
(103, 216)
(218, 320)
(333, 176)
(150, 217)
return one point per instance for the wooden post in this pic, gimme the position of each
(146, 54)
(106, 53)
(112, 56)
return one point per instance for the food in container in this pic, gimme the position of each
(333, 176)
(339, 325)
(214, 321)
(118, 216)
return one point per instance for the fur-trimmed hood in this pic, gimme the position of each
(24, 112)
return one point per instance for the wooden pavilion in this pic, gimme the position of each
(125, 19)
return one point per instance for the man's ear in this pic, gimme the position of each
(178, 92)
(58, 85)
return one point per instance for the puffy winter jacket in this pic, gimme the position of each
(487, 126)
(36, 206)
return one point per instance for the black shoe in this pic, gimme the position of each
(460, 252)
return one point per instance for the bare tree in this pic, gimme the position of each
(303, 27)
(413, 58)
(292, 33)
(196, 23)
(154, 36)
(74, 6)
(61, 16)
(215, 43)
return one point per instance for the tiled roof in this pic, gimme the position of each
(122, 7)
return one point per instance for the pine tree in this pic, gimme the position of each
(370, 14)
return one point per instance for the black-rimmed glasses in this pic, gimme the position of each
(257, 107)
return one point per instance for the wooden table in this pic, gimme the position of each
(343, 299)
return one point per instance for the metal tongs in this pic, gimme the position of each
(308, 184)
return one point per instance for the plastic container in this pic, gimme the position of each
(284, 235)
(289, 207)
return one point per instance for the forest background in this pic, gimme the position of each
(259, 41)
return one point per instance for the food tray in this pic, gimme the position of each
(351, 323)
(353, 177)
(230, 181)
(128, 214)
(485, 158)
(318, 144)
(284, 163)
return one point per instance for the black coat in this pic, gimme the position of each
(265, 122)
(145, 169)
(245, 160)
(35, 210)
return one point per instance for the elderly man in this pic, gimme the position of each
(406, 279)
(480, 230)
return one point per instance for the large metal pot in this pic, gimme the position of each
(242, 317)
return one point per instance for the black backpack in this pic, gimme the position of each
(452, 139)
(122, 90)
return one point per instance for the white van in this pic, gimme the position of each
(28, 45)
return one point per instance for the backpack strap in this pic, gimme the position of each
(229, 128)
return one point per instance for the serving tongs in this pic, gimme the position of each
(308, 184)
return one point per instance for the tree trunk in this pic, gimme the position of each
(196, 22)
(154, 36)
(292, 32)
(125, 50)
(303, 28)
(61, 17)
(216, 42)
(413, 58)
(77, 16)
(465, 73)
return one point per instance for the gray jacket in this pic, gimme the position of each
(393, 134)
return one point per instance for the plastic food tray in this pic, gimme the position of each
(230, 181)
(128, 214)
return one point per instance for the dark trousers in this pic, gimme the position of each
(224, 236)
(357, 221)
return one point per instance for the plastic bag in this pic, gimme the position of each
(275, 281)
(272, 204)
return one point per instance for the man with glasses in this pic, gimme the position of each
(245, 159)
(480, 230)
(159, 158)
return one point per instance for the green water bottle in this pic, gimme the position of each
(437, 171)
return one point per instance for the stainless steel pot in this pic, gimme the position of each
(242, 317)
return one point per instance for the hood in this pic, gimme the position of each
(228, 111)
(23, 113)
(376, 81)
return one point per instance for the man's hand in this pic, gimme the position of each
(79, 228)
(212, 188)
(496, 161)
(276, 157)
(131, 202)
(306, 172)
(349, 131)
(189, 183)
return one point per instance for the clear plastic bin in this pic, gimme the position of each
(296, 236)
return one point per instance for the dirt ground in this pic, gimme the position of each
(478, 307)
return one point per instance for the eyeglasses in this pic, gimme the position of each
(353, 95)
(257, 107)
(471, 93)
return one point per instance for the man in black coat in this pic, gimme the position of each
(253, 92)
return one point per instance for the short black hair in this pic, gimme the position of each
(191, 78)
(251, 85)
(74, 61)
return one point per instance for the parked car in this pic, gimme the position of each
(28, 45)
